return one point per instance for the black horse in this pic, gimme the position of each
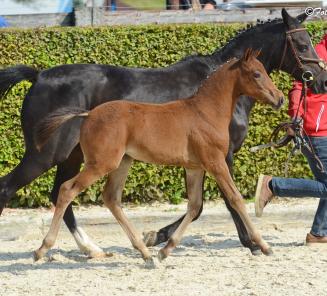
(87, 86)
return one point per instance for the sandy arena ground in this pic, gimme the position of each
(209, 261)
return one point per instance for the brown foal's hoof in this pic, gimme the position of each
(268, 252)
(256, 252)
(149, 263)
(161, 255)
(150, 238)
(36, 256)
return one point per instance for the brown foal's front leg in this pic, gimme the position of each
(112, 199)
(194, 180)
(219, 169)
(153, 238)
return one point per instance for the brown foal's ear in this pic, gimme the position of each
(250, 54)
(256, 53)
(247, 55)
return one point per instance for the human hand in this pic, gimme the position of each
(290, 131)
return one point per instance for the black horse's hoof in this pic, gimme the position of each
(150, 238)
(149, 263)
(256, 252)
(161, 255)
(268, 252)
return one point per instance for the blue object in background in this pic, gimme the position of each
(13, 7)
(113, 5)
(3, 22)
(65, 6)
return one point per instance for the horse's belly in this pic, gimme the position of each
(162, 155)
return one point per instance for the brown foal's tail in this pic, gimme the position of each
(46, 127)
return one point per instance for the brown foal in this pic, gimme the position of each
(192, 133)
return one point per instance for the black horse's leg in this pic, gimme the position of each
(65, 171)
(153, 238)
(240, 227)
(241, 230)
(32, 165)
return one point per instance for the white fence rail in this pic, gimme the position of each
(100, 17)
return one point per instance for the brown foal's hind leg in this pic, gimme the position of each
(194, 180)
(112, 199)
(219, 169)
(68, 191)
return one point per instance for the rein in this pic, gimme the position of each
(300, 137)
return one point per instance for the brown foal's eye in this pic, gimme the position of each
(256, 74)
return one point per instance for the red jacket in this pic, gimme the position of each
(315, 117)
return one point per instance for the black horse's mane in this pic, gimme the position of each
(250, 28)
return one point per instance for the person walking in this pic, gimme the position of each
(314, 120)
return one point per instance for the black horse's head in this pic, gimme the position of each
(299, 58)
(285, 45)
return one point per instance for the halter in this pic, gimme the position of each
(299, 59)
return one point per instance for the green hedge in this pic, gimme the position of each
(146, 46)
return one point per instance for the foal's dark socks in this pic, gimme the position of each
(166, 232)
(161, 237)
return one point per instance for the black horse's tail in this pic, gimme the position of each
(46, 127)
(13, 75)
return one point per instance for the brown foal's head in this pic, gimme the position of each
(255, 82)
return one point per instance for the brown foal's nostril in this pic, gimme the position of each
(281, 101)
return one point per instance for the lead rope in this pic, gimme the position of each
(297, 126)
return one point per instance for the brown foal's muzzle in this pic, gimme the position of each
(276, 99)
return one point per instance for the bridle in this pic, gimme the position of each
(300, 60)
(307, 77)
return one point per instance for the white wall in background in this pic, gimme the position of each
(10, 7)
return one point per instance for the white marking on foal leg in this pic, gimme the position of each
(86, 246)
